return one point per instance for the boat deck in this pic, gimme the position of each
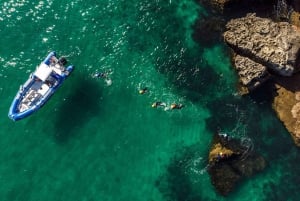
(40, 86)
(36, 91)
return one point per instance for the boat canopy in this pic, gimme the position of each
(43, 72)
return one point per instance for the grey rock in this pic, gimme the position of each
(251, 74)
(271, 44)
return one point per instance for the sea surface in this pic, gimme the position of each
(101, 141)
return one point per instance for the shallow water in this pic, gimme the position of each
(92, 141)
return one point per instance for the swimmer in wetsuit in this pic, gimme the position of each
(143, 90)
(176, 106)
(100, 75)
(104, 76)
(159, 103)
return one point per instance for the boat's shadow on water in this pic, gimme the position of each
(82, 104)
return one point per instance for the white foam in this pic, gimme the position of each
(108, 82)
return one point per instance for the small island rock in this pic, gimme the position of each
(230, 160)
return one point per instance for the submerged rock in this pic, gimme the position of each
(230, 160)
(212, 25)
(231, 8)
(220, 4)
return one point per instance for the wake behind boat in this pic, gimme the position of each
(41, 84)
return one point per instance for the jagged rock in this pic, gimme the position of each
(230, 160)
(251, 74)
(274, 45)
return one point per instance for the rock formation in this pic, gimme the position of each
(287, 105)
(251, 74)
(231, 160)
(295, 18)
(269, 48)
(274, 45)
(262, 46)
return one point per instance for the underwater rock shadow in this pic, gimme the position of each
(208, 31)
(225, 113)
(175, 184)
(190, 76)
(77, 108)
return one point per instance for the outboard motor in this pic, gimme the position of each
(62, 61)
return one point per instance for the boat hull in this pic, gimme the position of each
(16, 112)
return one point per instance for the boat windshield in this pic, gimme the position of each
(43, 72)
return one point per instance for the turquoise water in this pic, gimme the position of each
(94, 141)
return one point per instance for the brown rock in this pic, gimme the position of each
(287, 105)
(230, 160)
(219, 151)
(295, 18)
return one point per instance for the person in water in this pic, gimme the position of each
(104, 76)
(176, 106)
(143, 90)
(100, 75)
(159, 103)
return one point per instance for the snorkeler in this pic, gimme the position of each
(176, 106)
(143, 90)
(159, 103)
(100, 75)
(105, 76)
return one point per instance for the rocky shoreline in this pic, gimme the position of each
(264, 48)
(268, 49)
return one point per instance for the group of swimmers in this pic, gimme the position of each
(162, 104)
(156, 104)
